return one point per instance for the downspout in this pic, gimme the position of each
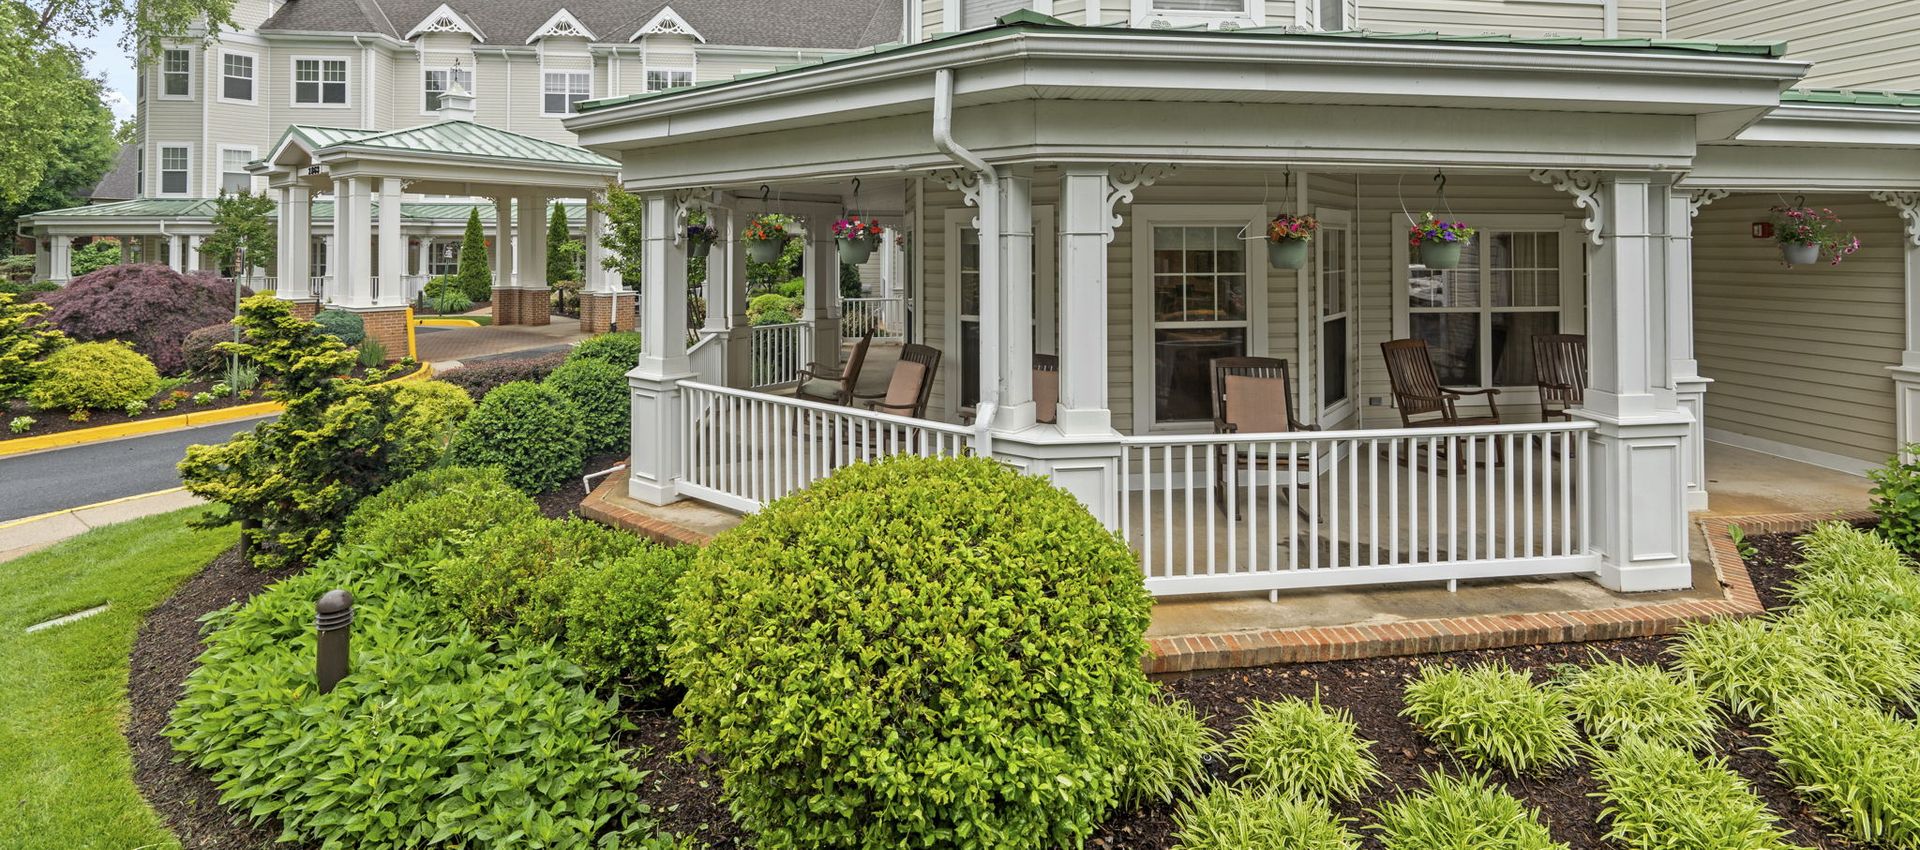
(509, 87)
(989, 205)
(366, 84)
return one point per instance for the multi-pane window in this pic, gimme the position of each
(176, 72)
(236, 76)
(661, 79)
(1479, 320)
(443, 258)
(1196, 11)
(563, 91)
(234, 178)
(439, 80)
(173, 169)
(1199, 314)
(1335, 317)
(320, 81)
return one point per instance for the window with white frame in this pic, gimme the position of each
(1199, 312)
(236, 77)
(443, 258)
(234, 178)
(316, 257)
(1479, 319)
(173, 169)
(1335, 318)
(320, 82)
(964, 271)
(439, 80)
(1224, 13)
(661, 79)
(1333, 15)
(176, 72)
(562, 91)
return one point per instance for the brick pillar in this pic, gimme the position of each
(598, 308)
(389, 326)
(536, 306)
(506, 306)
(305, 308)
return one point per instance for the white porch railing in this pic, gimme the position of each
(886, 316)
(779, 352)
(317, 286)
(260, 283)
(1339, 508)
(744, 448)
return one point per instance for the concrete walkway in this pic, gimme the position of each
(439, 345)
(31, 534)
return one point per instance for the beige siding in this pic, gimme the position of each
(286, 112)
(1515, 17)
(1799, 356)
(1071, 11)
(933, 17)
(1643, 18)
(1871, 44)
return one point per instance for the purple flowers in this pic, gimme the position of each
(1430, 229)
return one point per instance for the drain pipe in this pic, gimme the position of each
(989, 205)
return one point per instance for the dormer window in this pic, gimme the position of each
(1215, 14)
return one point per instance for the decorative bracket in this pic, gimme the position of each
(686, 201)
(1584, 186)
(1701, 197)
(1908, 203)
(966, 183)
(1123, 182)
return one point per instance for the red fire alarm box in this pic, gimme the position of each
(1763, 230)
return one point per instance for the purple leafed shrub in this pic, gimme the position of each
(481, 378)
(202, 359)
(149, 306)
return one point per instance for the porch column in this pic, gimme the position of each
(1015, 411)
(655, 465)
(605, 305)
(1690, 389)
(43, 258)
(822, 272)
(173, 245)
(729, 262)
(126, 249)
(393, 247)
(1637, 504)
(61, 256)
(352, 241)
(190, 261)
(296, 246)
(506, 301)
(534, 210)
(1906, 376)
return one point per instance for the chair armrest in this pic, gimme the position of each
(1445, 395)
(895, 409)
(881, 394)
(1550, 385)
(1460, 391)
(1222, 426)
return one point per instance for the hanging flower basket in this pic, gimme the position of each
(764, 237)
(855, 239)
(700, 240)
(1807, 235)
(1439, 242)
(1288, 236)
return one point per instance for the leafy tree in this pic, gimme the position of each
(147, 25)
(95, 255)
(476, 279)
(563, 251)
(23, 345)
(241, 221)
(56, 137)
(624, 240)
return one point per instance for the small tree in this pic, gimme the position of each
(476, 279)
(23, 345)
(94, 256)
(243, 221)
(563, 251)
(624, 240)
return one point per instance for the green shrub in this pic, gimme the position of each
(1869, 660)
(1854, 572)
(1297, 748)
(1747, 665)
(599, 391)
(1854, 763)
(93, 376)
(1227, 819)
(441, 509)
(916, 652)
(431, 411)
(621, 349)
(1461, 813)
(518, 576)
(1615, 700)
(347, 327)
(25, 342)
(370, 354)
(1895, 498)
(529, 430)
(1492, 716)
(1164, 752)
(772, 308)
(21, 424)
(616, 618)
(1657, 797)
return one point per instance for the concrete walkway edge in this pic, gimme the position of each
(31, 534)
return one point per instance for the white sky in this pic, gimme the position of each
(115, 67)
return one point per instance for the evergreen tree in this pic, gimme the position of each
(476, 280)
(563, 253)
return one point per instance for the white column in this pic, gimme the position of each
(393, 246)
(594, 279)
(296, 242)
(822, 265)
(1690, 389)
(352, 243)
(126, 250)
(657, 419)
(1015, 411)
(503, 267)
(191, 260)
(1083, 293)
(1637, 506)
(729, 262)
(61, 257)
(1906, 376)
(531, 248)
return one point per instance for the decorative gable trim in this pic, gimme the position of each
(668, 22)
(562, 24)
(445, 19)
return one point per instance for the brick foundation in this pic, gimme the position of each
(522, 306)
(305, 308)
(390, 328)
(598, 309)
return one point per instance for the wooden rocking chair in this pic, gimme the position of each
(910, 385)
(1046, 388)
(1252, 395)
(1417, 391)
(818, 384)
(1560, 370)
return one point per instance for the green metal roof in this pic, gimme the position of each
(202, 208)
(466, 138)
(1849, 97)
(138, 208)
(1026, 20)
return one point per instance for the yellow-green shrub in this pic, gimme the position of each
(94, 376)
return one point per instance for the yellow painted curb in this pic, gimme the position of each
(82, 436)
(446, 323)
(50, 514)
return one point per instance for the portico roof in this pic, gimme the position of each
(151, 212)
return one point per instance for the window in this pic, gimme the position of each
(173, 169)
(443, 258)
(440, 79)
(661, 79)
(1334, 313)
(234, 178)
(563, 91)
(320, 82)
(236, 77)
(317, 257)
(176, 72)
(1189, 12)
(140, 171)
(1199, 313)
(1333, 15)
(1479, 320)
(963, 270)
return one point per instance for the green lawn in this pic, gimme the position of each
(66, 778)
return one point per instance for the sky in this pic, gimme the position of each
(110, 63)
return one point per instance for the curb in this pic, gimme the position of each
(25, 520)
(446, 323)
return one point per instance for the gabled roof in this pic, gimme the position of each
(310, 138)
(445, 19)
(812, 25)
(468, 139)
(666, 22)
(122, 183)
(563, 23)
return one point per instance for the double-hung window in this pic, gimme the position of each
(320, 82)
(562, 91)
(1479, 320)
(1334, 316)
(439, 80)
(1199, 314)
(236, 77)
(173, 169)
(176, 72)
(234, 178)
(443, 258)
(661, 79)
(1224, 14)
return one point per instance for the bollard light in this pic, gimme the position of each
(333, 626)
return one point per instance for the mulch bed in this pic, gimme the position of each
(56, 421)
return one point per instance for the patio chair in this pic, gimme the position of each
(1417, 391)
(1252, 395)
(910, 385)
(818, 384)
(1560, 370)
(1046, 388)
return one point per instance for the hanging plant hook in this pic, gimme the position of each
(1799, 200)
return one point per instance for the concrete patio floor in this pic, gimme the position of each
(439, 345)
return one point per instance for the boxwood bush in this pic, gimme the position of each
(620, 349)
(1297, 748)
(518, 576)
(1461, 813)
(529, 430)
(598, 390)
(1493, 716)
(93, 376)
(615, 615)
(918, 652)
(485, 376)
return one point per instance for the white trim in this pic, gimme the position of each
(558, 26)
(646, 71)
(544, 74)
(160, 183)
(1326, 417)
(1253, 14)
(293, 82)
(160, 89)
(1143, 219)
(220, 165)
(253, 81)
(445, 19)
(667, 22)
(1789, 451)
(1046, 287)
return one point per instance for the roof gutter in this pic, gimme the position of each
(989, 203)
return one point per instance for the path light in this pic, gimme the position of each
(333, 626)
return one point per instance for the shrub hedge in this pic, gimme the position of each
(620, 349)
(599, 391)
(93, 376)
(148, 306)
(439, 509)
(916, 652)
(517, 576)
(484, 377)
(529, 430)
(199, 353)
(616, 619)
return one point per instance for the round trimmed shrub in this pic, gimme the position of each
(921, 652)
(518, 575)
(621, 349)
(598, 390)
(344, 326)
(431, 411)
(199, 351)
(616, 616)
(529, 430)
(94, 376)
(148, 306)
(440, 509)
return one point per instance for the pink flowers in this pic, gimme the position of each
(1287, 227)
(1430, 229)
(855, 228)
(1806, 226)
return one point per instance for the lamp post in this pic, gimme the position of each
(233, 359)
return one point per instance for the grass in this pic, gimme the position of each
(1855, 763)
(1297, 748)
(1466, 813)
(66, 775)
(1491, 715)
(1227, 819)
(1618, 699)
(1660, 797)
